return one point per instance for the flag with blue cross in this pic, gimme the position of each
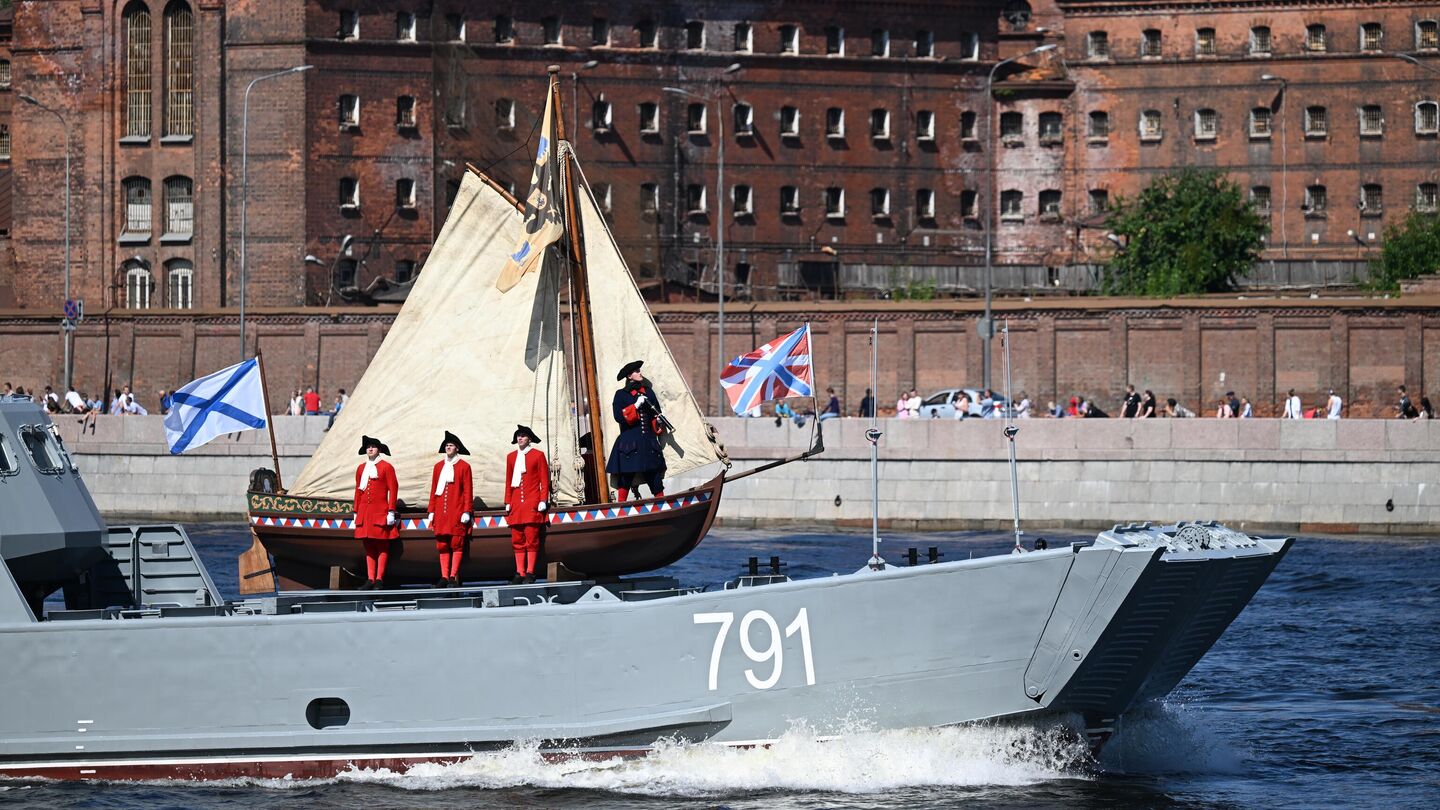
(228, 401)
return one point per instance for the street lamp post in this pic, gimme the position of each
(245, 183)
(1284, 165)
(990, 201)
(69, 354)
(719, 223)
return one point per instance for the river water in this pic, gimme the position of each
(1323, 692)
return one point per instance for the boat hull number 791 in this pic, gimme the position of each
(774, 652)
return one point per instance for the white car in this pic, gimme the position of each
(941, 404)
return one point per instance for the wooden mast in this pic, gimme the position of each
(586, 331)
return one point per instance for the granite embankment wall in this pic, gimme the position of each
(1306, 476)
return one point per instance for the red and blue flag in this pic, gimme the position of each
(779, 369)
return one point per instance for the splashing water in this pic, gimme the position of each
(1170, 738)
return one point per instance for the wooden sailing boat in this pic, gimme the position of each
(465, 356)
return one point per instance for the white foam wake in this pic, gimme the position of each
(1170, 737)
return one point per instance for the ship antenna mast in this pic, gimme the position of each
(1010, 431)
(873, 436)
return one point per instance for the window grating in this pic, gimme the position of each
(137, 72)
(179, 70)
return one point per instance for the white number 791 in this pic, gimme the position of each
(775, 651)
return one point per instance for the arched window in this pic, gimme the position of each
(137, 71)
(180, 284)
(137, 206)
(179, 70)
(137, 285)
(179, 208)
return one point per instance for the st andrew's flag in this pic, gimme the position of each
(228, 401)
(779, 369)
(542, 207)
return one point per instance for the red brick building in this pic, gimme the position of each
(858, 137)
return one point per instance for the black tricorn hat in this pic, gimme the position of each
(630, 368)
(366, 442)
(451, 438)
(521, 430)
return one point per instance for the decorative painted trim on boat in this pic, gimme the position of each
(568, 516)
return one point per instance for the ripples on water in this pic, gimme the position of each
(1323, 692)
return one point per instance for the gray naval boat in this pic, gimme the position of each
(145, 672)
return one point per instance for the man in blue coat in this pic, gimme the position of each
(636, 457)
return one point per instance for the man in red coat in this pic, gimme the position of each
(451, 494)
(375, 493)
(527, 488)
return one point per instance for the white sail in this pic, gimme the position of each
(625, 331)
(464, 357)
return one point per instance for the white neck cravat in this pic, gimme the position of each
(370, 473)
(519, 471)
(447, 475)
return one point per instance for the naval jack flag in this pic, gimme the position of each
(779, 369)
(230, 400)
(543, 225)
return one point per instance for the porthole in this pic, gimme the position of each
(327, 713)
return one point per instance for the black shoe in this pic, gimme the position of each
(516, 580)
(442, 582)
(454, 582)
(529, 579)
(368, 586)
(379, 585)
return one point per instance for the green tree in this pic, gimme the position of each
(1189, 231)
(1411, 249)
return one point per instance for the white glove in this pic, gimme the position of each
(640, 400)
(389, 518)
(541, 507)
(430, 518)
(465, 518)
(507, 508)
(355, 517)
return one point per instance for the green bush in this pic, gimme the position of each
(1411, 249)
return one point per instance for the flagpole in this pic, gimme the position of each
(269, 419)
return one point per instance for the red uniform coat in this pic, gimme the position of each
(375, 502)
(456, 500)
(525, 499)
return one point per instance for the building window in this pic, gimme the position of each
(695, 119)
(744, 116)
(1372, 120)
(137, 287)
(835, 202)
(349, 193)
(137, 207)
(405, 112)
(1315, 201)
(600, 32)
(969, 204)
(349, 25)
(834, 40)
(969, 46)
(1427, 118)
(504, 30)
(1207, 125)
(1316, 125)
(880, 43)
(1260, 120)
(1012, 206)
(405, 194)
(967, 126)
(1150, 43)
(1260, 40)
(789, 201)
(789, 122)
(789, 39)
(925, 125)
(1260, 200)
(452, 190)
(880, 203)
(346, 273)
(1050, 205)
(505, 114)
(1372, 37)
(1427, 35)
(600, 117)
(405, 26)
(740, 200)
(649, 199)
(925, 44)
(1097, 45)
(649, 118)
(695, 35)
(1099, 201)
(180, 284)
(179, 208)
(4, 74)
(348, 110)
(1052, 129)
(404, 271)
(744, 37)
(1205, 42)
(695, 199)
(880, 125)
(1372, 200)
(603, 198)
(137, 71)
(1098, 130)
(835, 123)
(645, 33)
(925, 204)
(1315, 38)
(1427, 197)
(1150, 126)
(179, 70)
(455, 27)
(455, 111)
(550, 30)
(4, 141)
(1012, 128)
